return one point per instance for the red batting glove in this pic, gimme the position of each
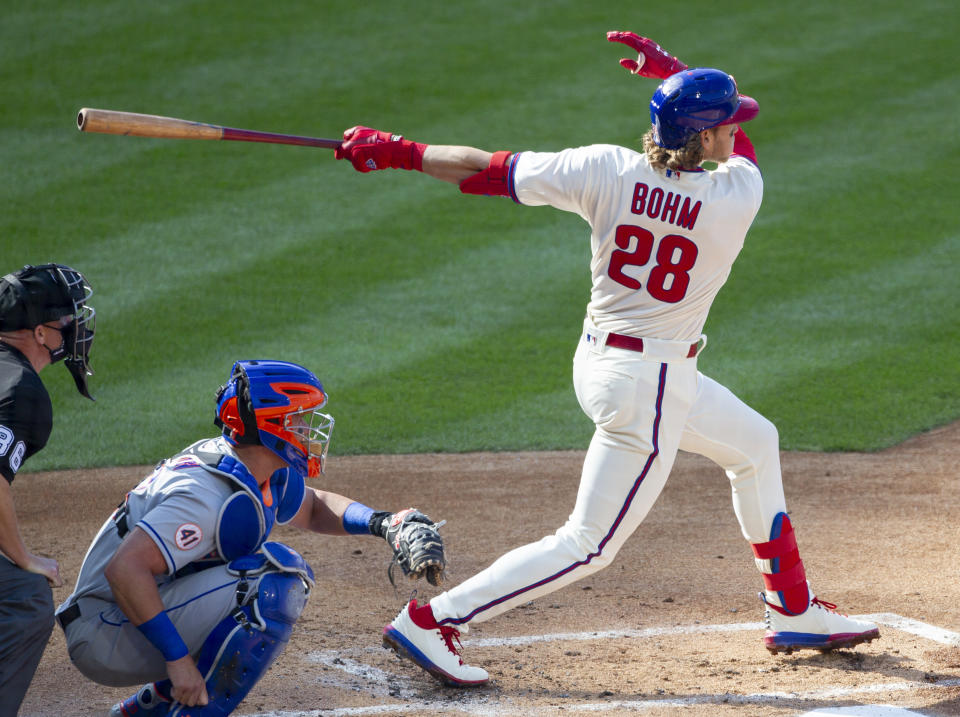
(369, 149)
(652, 61)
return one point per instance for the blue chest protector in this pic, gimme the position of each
(247, 517)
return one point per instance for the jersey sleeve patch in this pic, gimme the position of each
(183, 524)
(188, 536)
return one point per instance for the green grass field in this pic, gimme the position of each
(440, 322)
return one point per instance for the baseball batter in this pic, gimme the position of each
(181, 588)
(664, 234)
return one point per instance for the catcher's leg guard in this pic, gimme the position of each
(783, 573)
(242, 647)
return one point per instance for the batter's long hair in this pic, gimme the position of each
(687, 157)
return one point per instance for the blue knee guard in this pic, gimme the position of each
(242, 647)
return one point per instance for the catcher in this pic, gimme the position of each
(181, 588)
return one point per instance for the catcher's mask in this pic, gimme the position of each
(277, 404)
(694, 100)
(37, 295)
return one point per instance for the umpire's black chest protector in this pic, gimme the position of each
(26, 414)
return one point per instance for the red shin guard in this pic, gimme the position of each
(787, 576)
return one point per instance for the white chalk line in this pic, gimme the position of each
(364, 678)
(381, 684)
(915, 627)
(862, 711)
(482, 706)
(610, 634)
(888, 619)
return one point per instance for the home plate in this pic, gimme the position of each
(862, 711)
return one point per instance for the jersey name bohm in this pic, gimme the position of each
(664, 206)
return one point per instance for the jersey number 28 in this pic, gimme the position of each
(669, 278)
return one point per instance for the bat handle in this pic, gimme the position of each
(249, 135)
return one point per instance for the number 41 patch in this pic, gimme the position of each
(188, 535)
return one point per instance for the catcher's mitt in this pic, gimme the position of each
(416, 544)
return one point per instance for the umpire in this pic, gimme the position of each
(44, 318)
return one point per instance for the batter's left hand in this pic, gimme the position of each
(355, 147)
(369, 149)
(652, 60)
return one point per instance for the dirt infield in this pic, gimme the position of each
(879, 535)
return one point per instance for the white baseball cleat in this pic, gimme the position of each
(419, 638)
(819, 627)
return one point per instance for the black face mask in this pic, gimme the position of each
(59, 353)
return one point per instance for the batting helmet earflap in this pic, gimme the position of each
(277, 404)
(694, 100)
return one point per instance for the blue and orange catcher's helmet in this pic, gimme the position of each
(694, 100)
(277, 404)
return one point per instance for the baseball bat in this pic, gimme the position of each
(138, 125)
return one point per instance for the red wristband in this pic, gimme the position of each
(409, 155)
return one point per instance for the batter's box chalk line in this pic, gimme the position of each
(862, 711)
(347, 671)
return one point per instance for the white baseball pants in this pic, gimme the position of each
(646, 407)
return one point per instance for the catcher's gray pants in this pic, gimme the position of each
(26, 620)
(107, 648)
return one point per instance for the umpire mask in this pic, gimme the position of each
(37, 295)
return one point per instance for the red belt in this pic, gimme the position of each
(632, 343)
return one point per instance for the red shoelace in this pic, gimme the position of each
(449, 634)
(823, 603)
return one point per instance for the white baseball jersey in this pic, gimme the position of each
(662, 245)
(177, 506)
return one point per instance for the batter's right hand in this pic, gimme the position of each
(361, 135)
(48, 567)
(188, 687)
(652, 60)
